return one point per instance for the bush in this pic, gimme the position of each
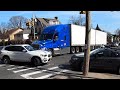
(15, 42)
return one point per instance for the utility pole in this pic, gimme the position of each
(33, 21)
(87, 45)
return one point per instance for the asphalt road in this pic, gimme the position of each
(18, 70)
(58, 65)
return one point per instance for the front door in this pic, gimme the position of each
(100, 60)
(20, 55)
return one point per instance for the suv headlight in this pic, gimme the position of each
(43, 55)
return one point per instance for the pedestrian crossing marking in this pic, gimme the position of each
(16, 68)
(36, 72)
(49, 75)
(22, 70)
(30, 74)
(2, 65)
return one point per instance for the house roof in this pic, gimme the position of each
(6, 35)
(43, 21)
(25, 32)
(11, 31)
(46, 20)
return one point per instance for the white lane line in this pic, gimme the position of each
(2, 65)
(15, 68)
(49, 75)
(22, 70)
(27, 76)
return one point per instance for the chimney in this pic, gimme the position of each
(56, 18)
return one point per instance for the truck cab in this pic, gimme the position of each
(54, 38)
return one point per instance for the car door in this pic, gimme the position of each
(20, 55)
(98, 62)
(112, 61)
(9, 51)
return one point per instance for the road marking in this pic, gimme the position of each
(15, 68)
(2, 65)
(27, 76)
(22, 70)
(49, 75)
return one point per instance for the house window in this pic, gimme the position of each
(18, 35)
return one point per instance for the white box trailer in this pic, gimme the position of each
(68, 38)
(97, 39)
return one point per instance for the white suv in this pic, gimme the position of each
(24, 53)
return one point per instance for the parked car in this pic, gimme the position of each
(101, 58)
(24, 53)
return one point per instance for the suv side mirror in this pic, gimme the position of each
(24, 50)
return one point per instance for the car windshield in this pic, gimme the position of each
(95, 51)
(29, 48)
(46, 37)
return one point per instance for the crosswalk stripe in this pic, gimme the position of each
(2, 65)
(22, 70)
(36, 72)
(15, 68)
(49, 75)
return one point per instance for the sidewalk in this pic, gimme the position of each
(91, 75)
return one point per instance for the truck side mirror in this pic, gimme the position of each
(55, 38)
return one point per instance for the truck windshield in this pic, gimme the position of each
(46, 37)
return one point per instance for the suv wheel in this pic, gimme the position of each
(6, 60)
(36, 61)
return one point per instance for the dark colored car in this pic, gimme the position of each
(101, 58)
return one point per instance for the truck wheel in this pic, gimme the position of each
(6, 60)
(77, 49)
(36, 61)
(72, 50)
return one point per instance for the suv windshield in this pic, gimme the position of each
(29, 48)
(46, 37)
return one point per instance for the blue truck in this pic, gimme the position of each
(68, 38)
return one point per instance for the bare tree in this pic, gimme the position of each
(109, 37)
(3, 26)
(77, 20)
(117, 32)
(17, 22)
